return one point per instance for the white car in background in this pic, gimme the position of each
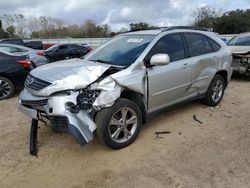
(240, 48)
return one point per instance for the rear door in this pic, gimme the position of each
(168, 84)
(61, 53)
(203, 59)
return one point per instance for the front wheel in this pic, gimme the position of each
(118, 126)
(215, 91)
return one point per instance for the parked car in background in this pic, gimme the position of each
(13, 41)
(13, 72)
(36, 56)
(47, 45)
(34, 44)
(240, 47)
(115, 87)
(66, 51)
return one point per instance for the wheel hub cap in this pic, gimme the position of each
(4, 89)
(123, 125)
(217, 90)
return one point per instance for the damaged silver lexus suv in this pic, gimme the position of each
(114, 88)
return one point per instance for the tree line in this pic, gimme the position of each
(230, 22)
(17, 25)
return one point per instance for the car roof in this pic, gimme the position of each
(170, 29)
(145, 32)
(10, 54)
(15, 45)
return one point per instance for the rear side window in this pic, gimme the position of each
(208, 46)
(74, 47)
(172, 45)
(214, 44)
(196, 45)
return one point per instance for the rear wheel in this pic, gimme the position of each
(118, 126)
(6, 88)
(215, 91)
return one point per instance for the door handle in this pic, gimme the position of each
(186, 65)
(214, 57)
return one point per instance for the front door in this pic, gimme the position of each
(168, 84)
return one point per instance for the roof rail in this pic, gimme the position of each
(185, 27)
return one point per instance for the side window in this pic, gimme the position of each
(5, 49)
(208, 46)
(214, 44)
(74, 47)
(196, 44)
(172, 45)
(63, 47)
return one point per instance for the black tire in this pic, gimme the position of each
(210, 99)
(104, 128)
(7, 88)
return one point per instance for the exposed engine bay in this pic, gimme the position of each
(241, 63)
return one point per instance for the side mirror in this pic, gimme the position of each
(160, 59)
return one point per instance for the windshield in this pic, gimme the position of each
(52, 48)
(122, 50)
(240, 41)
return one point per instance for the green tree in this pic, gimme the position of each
(205, 17)
(140, 26)
(233, 22)
(12, 31)
(3, 34)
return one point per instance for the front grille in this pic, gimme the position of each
(35, 103)
(59, 123)
(35, 83)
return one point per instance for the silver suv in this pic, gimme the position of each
(116, 86)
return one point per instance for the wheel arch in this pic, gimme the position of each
(138, 99)
(224, 74)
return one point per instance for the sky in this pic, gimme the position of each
(118, 13)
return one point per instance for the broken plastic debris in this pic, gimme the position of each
(195, 118)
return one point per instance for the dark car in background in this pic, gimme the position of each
(59, 52)
(34, 44)
(13, 72)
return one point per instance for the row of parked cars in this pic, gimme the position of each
(115, 87)
(16, 60)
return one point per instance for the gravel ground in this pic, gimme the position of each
(215, 153)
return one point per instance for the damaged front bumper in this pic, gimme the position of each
(57, 109)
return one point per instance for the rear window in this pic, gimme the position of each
(214, 44)
(208, 46)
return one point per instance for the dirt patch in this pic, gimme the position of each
(212, 154)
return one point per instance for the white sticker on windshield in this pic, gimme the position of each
(135, 40)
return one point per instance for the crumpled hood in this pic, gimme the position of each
(239, 49)
(69, 74)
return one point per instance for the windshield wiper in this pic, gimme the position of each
(101, 61)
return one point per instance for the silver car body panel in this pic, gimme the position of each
(159, 86)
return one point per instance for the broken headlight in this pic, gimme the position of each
(86, 98)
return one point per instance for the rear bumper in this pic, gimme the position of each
(80, 125)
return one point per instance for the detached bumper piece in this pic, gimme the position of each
(57, 110)
(33, 137)
(61, 124)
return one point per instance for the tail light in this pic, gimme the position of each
(40, 53)
(25, 63)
